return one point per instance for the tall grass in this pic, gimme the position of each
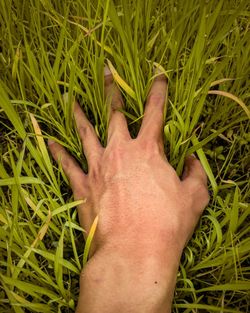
(50, 47)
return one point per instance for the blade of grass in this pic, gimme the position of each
(89, 240)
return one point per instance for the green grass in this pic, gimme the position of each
(50, 47)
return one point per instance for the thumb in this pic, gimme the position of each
(193, 170)
(194, 180)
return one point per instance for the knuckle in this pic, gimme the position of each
(187, 199)
(85, 131)
(194, 163)
(79, 193)
(115, 154)
(150, 147)
(114, 162)
(199, 190)
(206, 197)
(65, 161)
(199, 186)
(82, 131)
(156, 98)
(94, 173)
(204, 190)
(79, 186)
(203, 195)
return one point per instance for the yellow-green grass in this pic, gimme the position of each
(50, 47)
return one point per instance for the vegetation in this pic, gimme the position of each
(49, 47)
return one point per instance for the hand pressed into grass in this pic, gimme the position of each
(146, 212)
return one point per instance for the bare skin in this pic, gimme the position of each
(146, 213)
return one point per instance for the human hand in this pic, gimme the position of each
(130, 183)
(144, 209)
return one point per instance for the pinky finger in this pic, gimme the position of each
(73, 171)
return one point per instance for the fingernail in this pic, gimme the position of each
(50, 142)
(107, 70)
(193, 156)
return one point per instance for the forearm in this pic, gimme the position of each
(114, 283)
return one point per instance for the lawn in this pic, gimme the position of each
(50, 47)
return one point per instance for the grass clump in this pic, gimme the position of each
(50, 47)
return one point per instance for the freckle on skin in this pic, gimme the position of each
(156, 282)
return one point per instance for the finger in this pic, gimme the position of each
(194, 180)
(193, 170)
(117, 122)
(78, 183)
(91, 145)
(76, 176)
(152, 123)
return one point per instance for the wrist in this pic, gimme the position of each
(142, 284)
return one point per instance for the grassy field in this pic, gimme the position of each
(50, 47)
